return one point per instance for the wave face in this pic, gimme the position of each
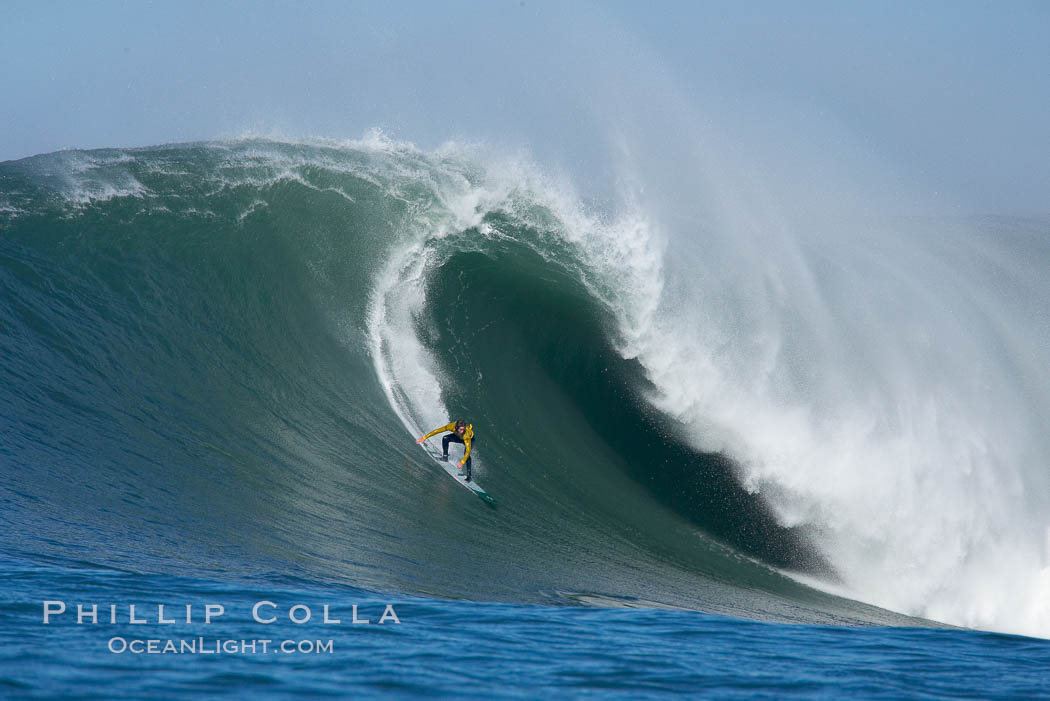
(216, 357)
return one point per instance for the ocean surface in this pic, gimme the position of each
(726, 461)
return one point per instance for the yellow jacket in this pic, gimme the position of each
(468, 435)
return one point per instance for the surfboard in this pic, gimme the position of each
(454, 473)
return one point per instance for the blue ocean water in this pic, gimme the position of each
(464, 648)
(215, 360)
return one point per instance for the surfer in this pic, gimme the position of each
(459, 432)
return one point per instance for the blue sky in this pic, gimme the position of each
(953, 94)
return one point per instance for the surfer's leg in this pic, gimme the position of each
(449, 437)
(471, 458)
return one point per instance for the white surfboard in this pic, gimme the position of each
(457, 475)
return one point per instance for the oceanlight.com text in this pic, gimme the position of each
(217, 646)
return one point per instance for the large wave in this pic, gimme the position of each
(665, 402)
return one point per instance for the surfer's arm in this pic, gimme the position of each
(466, 452)
(440, 429)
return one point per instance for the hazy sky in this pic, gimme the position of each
(953, 94)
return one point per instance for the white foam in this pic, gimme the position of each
(255, 205)
(882, 394)
(406, 371)
(93, 177)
